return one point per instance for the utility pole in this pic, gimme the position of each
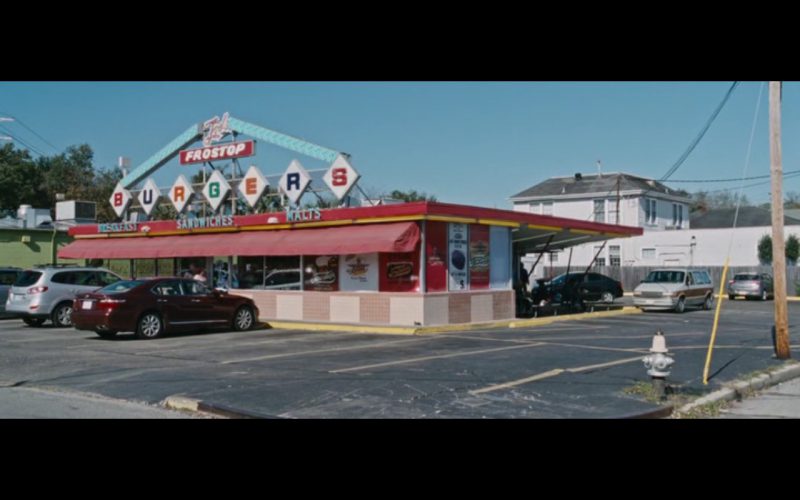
(778, 246)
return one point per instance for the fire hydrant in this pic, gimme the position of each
(658, 364)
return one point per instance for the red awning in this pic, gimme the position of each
(391, 237)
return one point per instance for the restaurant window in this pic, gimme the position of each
(250, 271)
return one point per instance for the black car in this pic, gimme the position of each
(589, 287)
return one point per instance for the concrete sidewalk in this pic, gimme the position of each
(780, 401)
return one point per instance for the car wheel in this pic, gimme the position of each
(62, 315)
(731, 296)
(150, 326)
(764, 295)
(106, 334)
(708, 302)
(681, 305)
(34, 322)
(244, 319)
(607, 297)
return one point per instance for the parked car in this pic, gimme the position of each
(749, 285)
(674, 289)
(153, 307)
(47, 292)
(587, 287)
(8, 275)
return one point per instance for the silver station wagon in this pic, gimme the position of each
(674, 289)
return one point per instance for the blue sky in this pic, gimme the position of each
(466, 142)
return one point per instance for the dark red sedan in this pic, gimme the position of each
(153, 307)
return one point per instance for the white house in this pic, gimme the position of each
(671, 237)
(613, 198)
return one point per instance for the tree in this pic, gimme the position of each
(791, 200)
(702, 201)
(22, 180)
(765, 249)
(792, 250)
(412, 195)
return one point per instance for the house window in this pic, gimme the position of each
(648, 253)
(614, 255)
(650, 211)
(534, 208)
(547, 208)
(600, 261)
(599, 210)
(613, 214)
(553, 258)
(680, 215)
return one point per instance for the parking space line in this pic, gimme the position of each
(551, 373)
(428, 358)
(603, 365)
(320, 351)
(514, 383)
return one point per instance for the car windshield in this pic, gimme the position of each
(121, 286)
(745, 277)
(559, 280)
(665, 277)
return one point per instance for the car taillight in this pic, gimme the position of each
(37, 289)
(109, 303)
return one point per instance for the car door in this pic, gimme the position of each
(203, 305)
(171, 303)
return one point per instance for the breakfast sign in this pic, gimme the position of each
(340, 178)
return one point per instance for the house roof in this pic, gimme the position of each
(605, 184)
(748, 217)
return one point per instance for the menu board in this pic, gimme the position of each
(358, 272)
(478, 257)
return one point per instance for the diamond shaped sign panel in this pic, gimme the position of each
(253, 185)
(120, 200)
(180, 193)
(216, 189)
(148, 197)
(295, 181)
(341, 177)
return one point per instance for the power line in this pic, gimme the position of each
(31, 148)
(17, 120)
(697, 139)
(791, 176)
(733, 179)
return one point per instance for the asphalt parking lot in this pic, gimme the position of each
(574, 369)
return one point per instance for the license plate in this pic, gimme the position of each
(741, 293)
(87, 304)
(648, 301)
(18, 297)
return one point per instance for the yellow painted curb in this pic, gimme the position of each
(337, 327)
(573, 317)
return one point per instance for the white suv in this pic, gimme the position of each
(47, 292)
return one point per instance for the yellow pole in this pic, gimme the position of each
(716, 321)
